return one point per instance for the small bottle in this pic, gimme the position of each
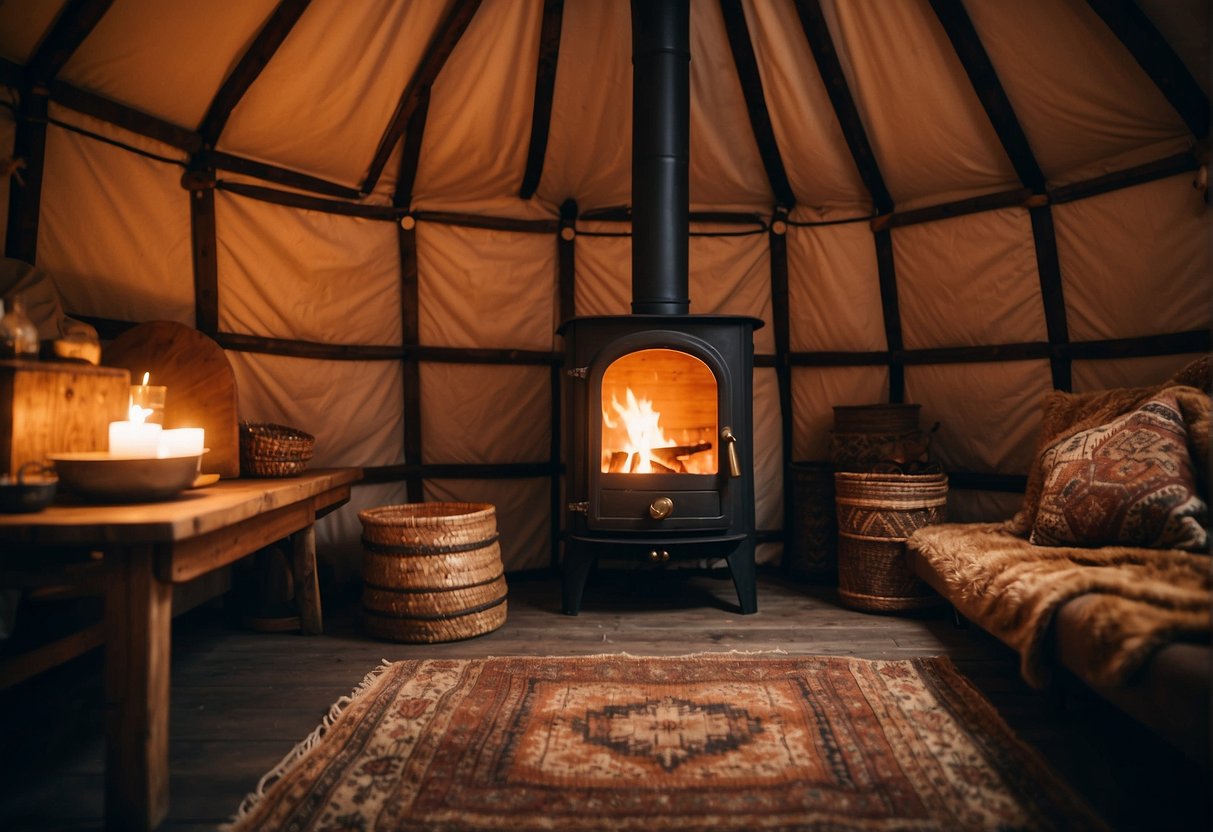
(18, 335)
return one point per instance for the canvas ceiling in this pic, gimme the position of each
(115, 232)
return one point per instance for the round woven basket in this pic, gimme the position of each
(270, 450)
(431, 572)
(876, 513)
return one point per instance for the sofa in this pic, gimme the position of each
(1104, 572)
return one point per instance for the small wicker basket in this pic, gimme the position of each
(270, 450)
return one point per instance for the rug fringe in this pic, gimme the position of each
(301, 748)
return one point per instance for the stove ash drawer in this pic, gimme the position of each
(659, 507)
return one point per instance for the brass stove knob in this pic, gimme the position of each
(661, 508)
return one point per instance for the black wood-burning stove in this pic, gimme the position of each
(658, 404)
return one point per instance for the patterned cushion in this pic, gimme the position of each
(1129, 482)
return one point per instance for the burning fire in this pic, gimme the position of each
(642, 446)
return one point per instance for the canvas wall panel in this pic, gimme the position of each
(481, 288)
(726, 171)
(351, 407)
(1127, 372)
(814, 152)
(969, 280)
(523, 515)
(834, 289)
(165, 59)
(306, 275)
(482, 413)
(479, 123)
(603, 283)
(816, 391)
(988, 414)
(22, 27)
(589, 152)
(356, 88)
(1086, 107)
(932, 139)
(114, 231)
(732, 276)
(1135, 261)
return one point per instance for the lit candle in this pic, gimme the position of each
(134, 439)
(182, 441)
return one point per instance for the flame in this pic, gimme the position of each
(640, 422)
(138, 414)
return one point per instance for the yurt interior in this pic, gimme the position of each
(605, 414)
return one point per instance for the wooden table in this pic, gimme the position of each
(148, 547)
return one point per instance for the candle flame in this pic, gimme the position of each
(146, 376)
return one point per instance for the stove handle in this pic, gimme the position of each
(730, 442)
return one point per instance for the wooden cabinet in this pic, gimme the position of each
(52, 407)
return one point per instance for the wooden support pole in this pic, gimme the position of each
(756, 103)
(200, 183)
(1052, 296)
(777, 241)
(891, 310)
(566, 258)
(545, 86)
(25, 197)
(307, 581)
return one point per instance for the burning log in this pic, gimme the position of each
(672, 453)
(619, 459)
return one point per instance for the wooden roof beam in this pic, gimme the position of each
(73, 25)
(545, 86)
(445, 38)
(1152, 52)
(756, 103)
(818, 34)
(252, 62)
(976, 62)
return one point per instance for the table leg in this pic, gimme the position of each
(138, 628)
(307, 582)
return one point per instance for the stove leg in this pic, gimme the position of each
(577, 563)
(741, 566)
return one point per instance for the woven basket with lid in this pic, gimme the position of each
(431, 572)
(272, 450)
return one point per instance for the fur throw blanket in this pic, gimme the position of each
(1143, 598)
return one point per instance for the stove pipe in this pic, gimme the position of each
(661, 116)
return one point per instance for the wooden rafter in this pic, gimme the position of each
(976, 62)
(69, 31)
(445, 38)
(273, 173)
(755, 100)
(1155, 56)
(255, 59)
(410, 157)
(128, 118)
(822, 45)
(545, 86)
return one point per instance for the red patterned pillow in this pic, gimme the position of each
(1129, 482)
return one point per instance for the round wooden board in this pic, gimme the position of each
(201, 384)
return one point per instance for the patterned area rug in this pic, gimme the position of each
(730, 742)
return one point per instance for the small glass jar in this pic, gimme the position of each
(18, 335)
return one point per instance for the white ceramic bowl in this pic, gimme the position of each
(98, 476)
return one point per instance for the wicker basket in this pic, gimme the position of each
(876, 513)
(431, 572)
(876, 418)
(270, 450)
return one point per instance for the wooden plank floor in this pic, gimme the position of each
(241, 700)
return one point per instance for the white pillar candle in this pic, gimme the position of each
(134, 439)
(182, 441)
